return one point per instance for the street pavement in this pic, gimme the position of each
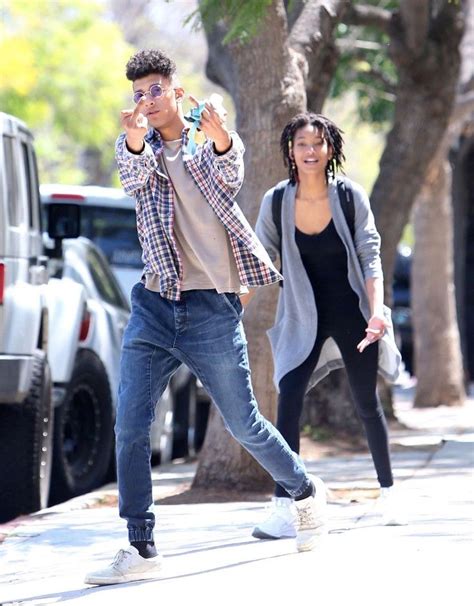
(211, 557)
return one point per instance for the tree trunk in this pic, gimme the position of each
(323, 410)
(270, 91)
(422, 110)
(266, 78)
(437, 343)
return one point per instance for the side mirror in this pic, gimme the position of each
(64, 221)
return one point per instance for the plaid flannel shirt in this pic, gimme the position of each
(219, 179)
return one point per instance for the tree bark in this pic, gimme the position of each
(438, 356)
(266, 78)
(438, 359)
(423, 106)
(268, 88)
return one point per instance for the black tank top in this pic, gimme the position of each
(325, 259)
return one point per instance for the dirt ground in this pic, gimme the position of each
(336, 446)
(310, 450)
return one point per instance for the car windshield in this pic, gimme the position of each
(114, 231)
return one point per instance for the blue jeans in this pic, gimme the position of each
(204, 331)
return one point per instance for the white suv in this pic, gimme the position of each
(40, 321)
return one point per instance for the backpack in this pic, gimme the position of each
(346, 199)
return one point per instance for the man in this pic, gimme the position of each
(199, 253)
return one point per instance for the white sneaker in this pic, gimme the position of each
(281, 523)
(128, 565)
(387, 508)
(311, 517)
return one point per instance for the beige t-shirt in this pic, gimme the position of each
(202, 240)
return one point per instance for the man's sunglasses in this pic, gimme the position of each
(155, 91)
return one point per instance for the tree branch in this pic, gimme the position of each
(312, 38)
(371, 16)
(315, 25)
(415, 16)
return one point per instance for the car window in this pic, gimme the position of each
(114, 231)
(14, 209)
(104, 280)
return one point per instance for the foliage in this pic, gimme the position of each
(62, 71)
(242, 17)
(365, 67)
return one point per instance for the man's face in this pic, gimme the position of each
(161, 110)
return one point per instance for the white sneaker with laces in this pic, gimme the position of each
(281, 523)
(387, 507)
(311, 517)
(127, 566)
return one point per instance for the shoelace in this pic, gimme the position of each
(306, 517)
(121, 556)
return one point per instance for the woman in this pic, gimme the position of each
(330, 310)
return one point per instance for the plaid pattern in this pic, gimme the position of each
(219, 179)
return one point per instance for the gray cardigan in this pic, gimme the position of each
(294, 333)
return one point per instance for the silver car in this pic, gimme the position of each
(83, 429)
(108, 220)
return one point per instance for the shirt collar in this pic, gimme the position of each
(154, 138)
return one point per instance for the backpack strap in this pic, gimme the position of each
(277, 202)
(346, 199)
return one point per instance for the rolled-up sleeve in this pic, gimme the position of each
(134, 169)
(230, 166)
(366, 236)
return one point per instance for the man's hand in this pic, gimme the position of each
(213, 126)
(135, 125)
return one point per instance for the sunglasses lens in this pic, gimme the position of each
(156, 90)
(137, 97)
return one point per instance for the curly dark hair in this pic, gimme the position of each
(331, 133)
(147, 62)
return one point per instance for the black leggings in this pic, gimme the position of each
(362, 374)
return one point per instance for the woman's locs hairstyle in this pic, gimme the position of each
(331, 133)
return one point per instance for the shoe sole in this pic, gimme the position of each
(259, 534)
(312, 541)
(138, 576)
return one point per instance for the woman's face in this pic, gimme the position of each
(311, 151)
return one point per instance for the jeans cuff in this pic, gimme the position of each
(140, 534)
(303, 488)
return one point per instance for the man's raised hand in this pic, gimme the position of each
(135, 125)
(212, 124)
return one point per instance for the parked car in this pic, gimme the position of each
(83, 428)
(108, 219)
(401, 312)
(40, 323)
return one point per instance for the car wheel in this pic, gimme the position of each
(83, 431)
(203, 407)
(184, 419)
(161, 434)
(25, 446)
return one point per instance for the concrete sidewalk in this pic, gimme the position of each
(211, 558)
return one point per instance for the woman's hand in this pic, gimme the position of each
(375, 330)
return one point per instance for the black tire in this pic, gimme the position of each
(83, 431)
(190, 417)
(203, 408)
(26, 446)
(184, 414)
